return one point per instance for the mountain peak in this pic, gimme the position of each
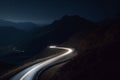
(74, 22)
(66, 19)
(72, 16)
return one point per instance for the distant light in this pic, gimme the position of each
(52, 46)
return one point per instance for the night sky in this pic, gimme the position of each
(45, 11)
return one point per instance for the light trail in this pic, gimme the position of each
(30, 72)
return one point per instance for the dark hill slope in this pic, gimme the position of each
(57, 32)
(98, 55)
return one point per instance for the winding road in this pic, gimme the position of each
(30, 72)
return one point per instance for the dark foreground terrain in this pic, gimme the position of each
(98, 54)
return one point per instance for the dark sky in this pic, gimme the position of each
(45, 11)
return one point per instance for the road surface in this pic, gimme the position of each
(30, 72)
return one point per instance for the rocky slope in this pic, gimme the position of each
(98, 54)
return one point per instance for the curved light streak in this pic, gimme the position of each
(30, 72)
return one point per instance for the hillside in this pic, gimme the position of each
(32, 43)
(57, 33)
(98, 54)
(37, 40)
(97, 47)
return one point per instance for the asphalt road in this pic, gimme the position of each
(30, 72)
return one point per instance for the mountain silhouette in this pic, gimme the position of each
(98, 53)
(59, 31)
(54, 34)
(20, 25)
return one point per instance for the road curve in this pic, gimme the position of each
(30, 72)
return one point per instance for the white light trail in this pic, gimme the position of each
(30, 72)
